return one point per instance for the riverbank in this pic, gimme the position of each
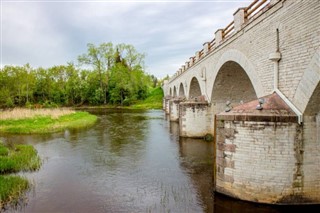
(153, 101)
(15, 158)
(41, 121)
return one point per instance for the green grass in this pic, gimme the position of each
(4, 151)
(18, 158)
(11, 189)
(47, 124)
(153, 101)
(15, 158)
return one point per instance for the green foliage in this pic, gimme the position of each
(106, 74)
(11, 188)
(28, 105)
(153, 101)
(50, 104)
(15, 158)
(42, 125)
(4, 151)
(9, 103)
(18, 158)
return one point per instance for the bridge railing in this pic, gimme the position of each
(228, 30)
(255, 7)
(251, 12)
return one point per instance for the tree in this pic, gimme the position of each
(101, 59)
(16, 84)
(131, 57)
(120, 85)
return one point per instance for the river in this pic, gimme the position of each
(131, 161)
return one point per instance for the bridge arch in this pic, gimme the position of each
(231, 84)
(174, 91)
(181, 90)
(247, 67)
(195, 89)
(313, 107)
(306, 96)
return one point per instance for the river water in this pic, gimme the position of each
(130, 162)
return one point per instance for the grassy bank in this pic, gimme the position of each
(18, 158)
(27, 121)
(15, 158)
(153, 101)
(11, 189)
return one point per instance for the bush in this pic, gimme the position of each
(50, 104)
(9, 103)
(28, 105)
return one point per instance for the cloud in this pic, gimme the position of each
(47, 33)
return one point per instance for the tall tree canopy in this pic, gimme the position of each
(105, 74)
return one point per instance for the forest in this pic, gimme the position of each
(105, 74)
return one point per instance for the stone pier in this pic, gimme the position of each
(166, 105)
(259, 154)
(174, 108)
(195, 119)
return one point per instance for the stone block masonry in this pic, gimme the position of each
(195, 119)
(265, 161)
(267, 155)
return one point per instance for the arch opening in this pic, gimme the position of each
(181, 90)
(231, 84)
(195, 90)
(170, 92)
(313, 107)
(174, 91)
(312, 115)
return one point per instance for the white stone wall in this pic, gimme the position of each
(299, 40)
(174, 110)
(263, 162)
(195, 120)
(167, 105)
(318, 130)
(311, 156)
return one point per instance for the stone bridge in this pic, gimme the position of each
(255, 90)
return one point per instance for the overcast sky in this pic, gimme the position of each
(48, 33)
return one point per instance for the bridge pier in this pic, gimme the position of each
(165, 104)
(260, 154)
(195, 119)
(174, 105)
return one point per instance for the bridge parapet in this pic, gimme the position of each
(242, 17)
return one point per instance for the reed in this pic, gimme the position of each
(18, 158)
(11, 190)
(23, 113)
(42, 121)
(13, 159)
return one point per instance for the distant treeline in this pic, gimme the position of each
(106, 74)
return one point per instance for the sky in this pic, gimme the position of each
(55, 32)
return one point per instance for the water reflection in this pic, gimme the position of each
(130, 161)
(196, 158)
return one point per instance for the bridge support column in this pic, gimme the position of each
(165, 104)
(174, 109)
(259, 154)
(195, 119)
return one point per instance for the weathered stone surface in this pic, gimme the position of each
(262, 155)
(274, 109)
